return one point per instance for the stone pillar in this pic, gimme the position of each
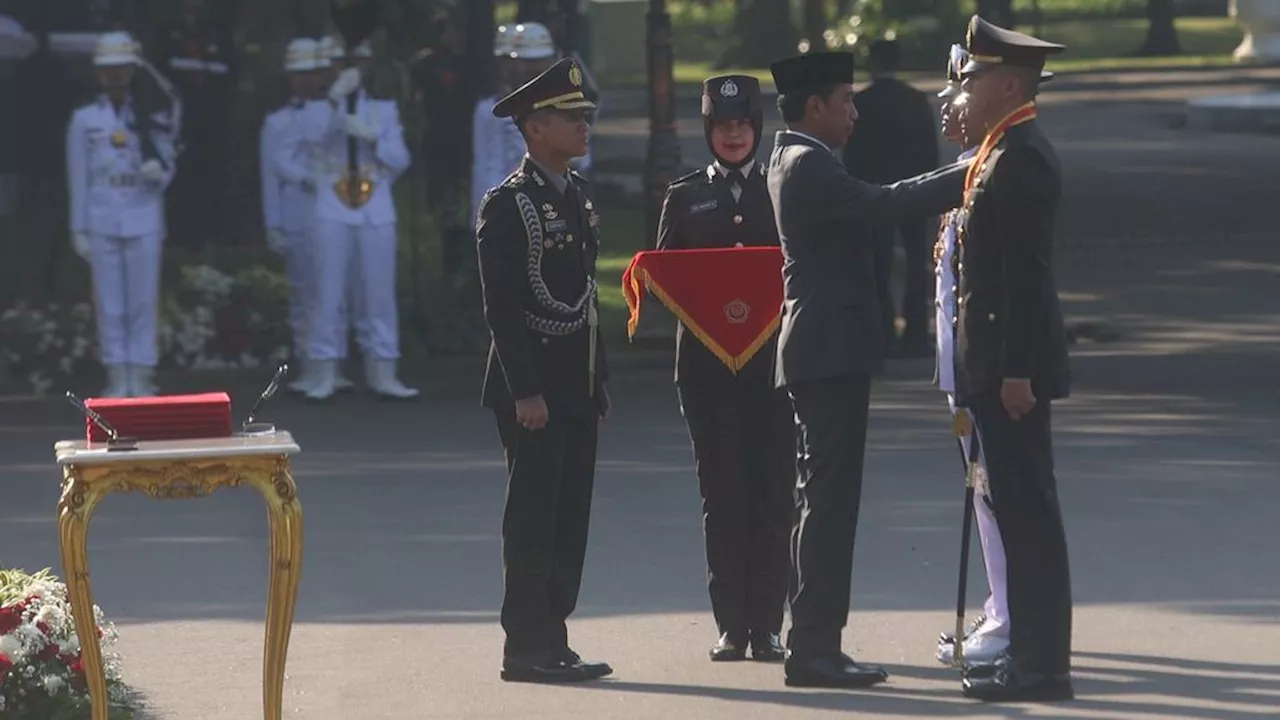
(1260, 20)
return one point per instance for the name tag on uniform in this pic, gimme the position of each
(704, 206)
(557, 226)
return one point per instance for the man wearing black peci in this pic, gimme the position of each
(830, 342)
(538, 238)
(1011, 355)
(741, 426)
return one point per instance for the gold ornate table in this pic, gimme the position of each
(178, 470)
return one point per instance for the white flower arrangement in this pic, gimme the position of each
(41, 670)
(208, 321)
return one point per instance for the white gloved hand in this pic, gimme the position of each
(152, 171)
(80, 243)
(276, 240)
(359, 127)
(348, 81)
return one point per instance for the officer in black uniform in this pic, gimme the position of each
(1011, 355)
(742, 427)
(538, 238)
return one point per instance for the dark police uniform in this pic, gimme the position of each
(742, 427)
(1010, 326)
(538, 238)
(828, 346)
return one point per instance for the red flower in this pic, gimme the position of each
(5, 664)
(49, 652)
(44, 628)
(10, 618)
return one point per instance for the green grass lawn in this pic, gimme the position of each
(1092, 45)
(622, 223)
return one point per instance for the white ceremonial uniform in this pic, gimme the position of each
(497, 149)
(361, 239)
(996, 609)
(288, 212)
(117, 208)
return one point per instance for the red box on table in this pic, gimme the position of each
(164, 417)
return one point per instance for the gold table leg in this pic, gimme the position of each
(84, 488)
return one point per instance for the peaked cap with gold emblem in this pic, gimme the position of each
(990, 46)
(558, 88)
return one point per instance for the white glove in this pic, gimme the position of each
(361, 128)
(348, 82)
(152, 172)
(276, 240)
(80, 243)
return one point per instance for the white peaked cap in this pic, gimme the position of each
(116, 48)
(331, 47)
(302, 55)
(532, 41)
(502, 41)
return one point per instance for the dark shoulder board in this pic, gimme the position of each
(579, 177)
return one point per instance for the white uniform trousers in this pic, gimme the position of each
(997, 606)
(363, 258)
(299, 267)
(126, 286)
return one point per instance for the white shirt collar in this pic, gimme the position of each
(811, 138)
(724, 171)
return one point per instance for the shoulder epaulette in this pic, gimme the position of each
(579, 177)
(686, 178)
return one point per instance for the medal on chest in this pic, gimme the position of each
(119, 139)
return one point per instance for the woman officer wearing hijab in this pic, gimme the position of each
(741, 427)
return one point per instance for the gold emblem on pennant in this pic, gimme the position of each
(575, 76)
(736, 312)
(962, 424)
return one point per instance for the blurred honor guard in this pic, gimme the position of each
(988, 635)
(538, 238)
(494, 142)
(118, 167)
(829, 343)
(289, 194)
(742, 428)
(1011, 355)
(355, 230)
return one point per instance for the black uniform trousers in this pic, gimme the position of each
(551, 473)
(831, 436)
(1019, 458)
(917, 282)
(743, 436)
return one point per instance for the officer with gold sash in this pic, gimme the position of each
(355, 229)
(538, 237)
(742, 428)
(1011, 355)
(118, 169)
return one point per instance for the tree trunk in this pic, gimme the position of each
(762, 33)
(532, 11)
(998, 12)
(1162, 34)
(815, 23)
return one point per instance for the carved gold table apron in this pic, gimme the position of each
(183, 469)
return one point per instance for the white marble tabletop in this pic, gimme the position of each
(81, 452)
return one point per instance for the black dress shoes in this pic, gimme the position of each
(767, 647)
(832, 671)
(731, 647)
(593, 670)
(1007, 680)
(545, 671)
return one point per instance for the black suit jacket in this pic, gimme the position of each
(537, 264)
(895, 137)
(1009, 320)
(830, 316)
(699, 212)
